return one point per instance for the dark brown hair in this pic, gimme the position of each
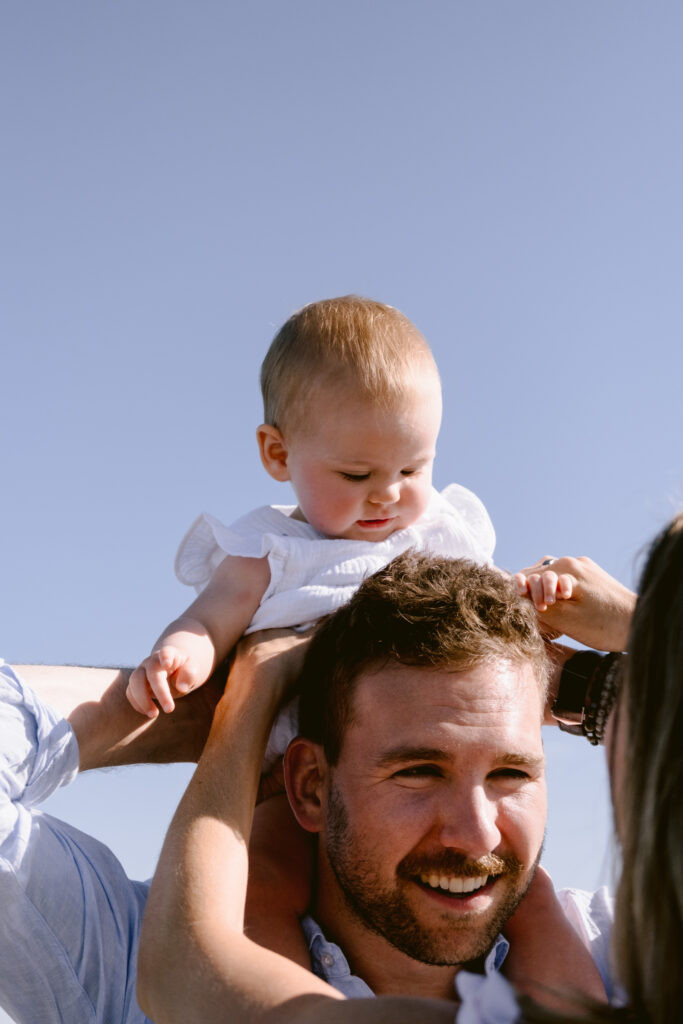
(421, 610)
(649, 910)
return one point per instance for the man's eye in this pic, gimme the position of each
(418, 771)
(510, 773)
(355, 476)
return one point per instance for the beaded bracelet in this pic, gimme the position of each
(601, 695)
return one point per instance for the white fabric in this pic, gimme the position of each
(312, 575)
(489, 998)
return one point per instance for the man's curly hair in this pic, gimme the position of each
(422, 610)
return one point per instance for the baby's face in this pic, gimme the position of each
(361, 472)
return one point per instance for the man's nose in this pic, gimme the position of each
(385, 493)
(468, 823)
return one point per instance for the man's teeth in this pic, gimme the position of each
(454, 884)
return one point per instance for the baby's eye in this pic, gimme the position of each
(355, 476)
(408, 472)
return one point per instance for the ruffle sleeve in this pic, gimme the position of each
(208, 540)
(457, 524)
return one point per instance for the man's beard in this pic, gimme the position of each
(386, 909)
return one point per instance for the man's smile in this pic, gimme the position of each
(454, 885)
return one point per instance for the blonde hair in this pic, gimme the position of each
(342, 342)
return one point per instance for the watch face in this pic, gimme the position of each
(566, 715)
(574, 683)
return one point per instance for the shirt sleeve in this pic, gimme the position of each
(70, 917)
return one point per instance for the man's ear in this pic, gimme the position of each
(273, 451)
(305, 769)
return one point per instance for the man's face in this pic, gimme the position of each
(435, 812)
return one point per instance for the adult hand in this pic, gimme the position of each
(598, 612)
(271, 658)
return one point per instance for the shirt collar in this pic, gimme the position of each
(330, 964)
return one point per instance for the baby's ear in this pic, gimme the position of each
(273, 451)
(305, 771)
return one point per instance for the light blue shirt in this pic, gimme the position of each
(70, 917)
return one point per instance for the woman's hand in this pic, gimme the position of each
(597, 611)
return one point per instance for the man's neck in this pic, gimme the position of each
(383, 967)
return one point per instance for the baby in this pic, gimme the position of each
(352, 409)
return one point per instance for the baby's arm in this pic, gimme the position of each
(189, 649)
(280, 880)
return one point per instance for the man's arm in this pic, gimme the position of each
(195, 962)
(70, 916)
(108, 730)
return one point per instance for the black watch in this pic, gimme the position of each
(569, 705)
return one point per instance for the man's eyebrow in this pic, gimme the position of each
(514, 760)
(407, 752)
(507, 759)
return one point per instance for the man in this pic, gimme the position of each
(71, 919)
(420, 768)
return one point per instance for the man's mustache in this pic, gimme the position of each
(449, 862)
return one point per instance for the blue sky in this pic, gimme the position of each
(179, 177)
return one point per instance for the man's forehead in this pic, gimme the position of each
(498, 692)
(495, 676)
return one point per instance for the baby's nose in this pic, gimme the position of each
(385, 494)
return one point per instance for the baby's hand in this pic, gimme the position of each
(594, 609)
(167, 669)
(543, 585)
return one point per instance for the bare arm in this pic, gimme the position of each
(189, 649)
(108, 730)
(195, 962)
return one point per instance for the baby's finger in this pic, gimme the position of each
(186, 678)
(536, 592)
(139, 696)
(565, 585)
(159, 666)
(549, 581)
(158, 684)
(522, 584)
(535, 585)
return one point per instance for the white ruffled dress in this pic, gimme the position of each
(312, 575)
